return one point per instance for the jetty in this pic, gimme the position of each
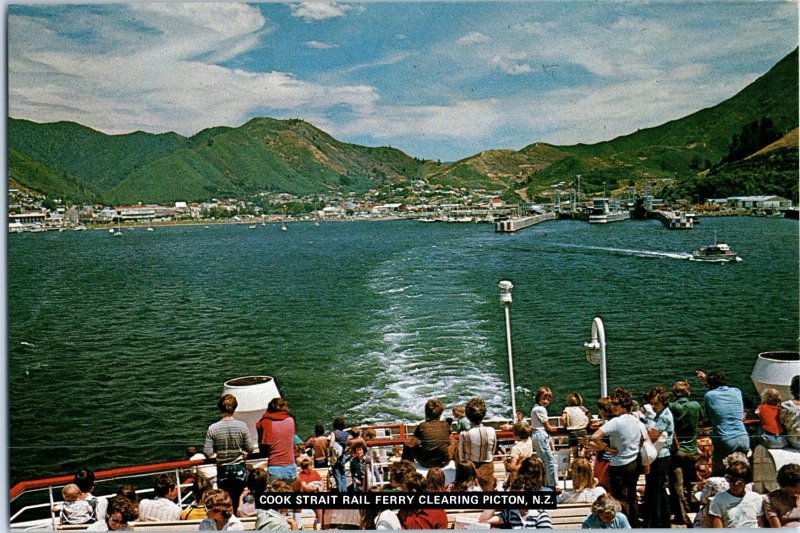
(672, 219)
(515, 224)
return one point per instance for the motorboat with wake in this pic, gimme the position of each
(717, 253)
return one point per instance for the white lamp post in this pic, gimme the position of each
(596, 352)
(505, 299)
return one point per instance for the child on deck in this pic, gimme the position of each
(517, 518)
(575, 418)
(521, 450)
(542, 443)
(772, 432)
(460, 422)
(466, 478)
(360, 469)
(75, 510)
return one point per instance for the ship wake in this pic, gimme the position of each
(636, 253)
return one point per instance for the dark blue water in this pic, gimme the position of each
(118, 347)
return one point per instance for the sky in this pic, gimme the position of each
(438, 80)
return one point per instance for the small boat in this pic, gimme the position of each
(253, 226)
(717, 252)
(283, 227)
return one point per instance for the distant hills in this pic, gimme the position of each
(683, 158)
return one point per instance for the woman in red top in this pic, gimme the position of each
(420, 518)
(276, 440)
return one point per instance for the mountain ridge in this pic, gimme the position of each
(294, 156)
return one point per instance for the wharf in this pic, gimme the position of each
(673, 219)
(515, 224)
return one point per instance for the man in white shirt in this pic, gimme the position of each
(161, 508)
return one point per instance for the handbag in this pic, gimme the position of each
(648, 452)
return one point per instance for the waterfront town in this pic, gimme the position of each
(29, 211)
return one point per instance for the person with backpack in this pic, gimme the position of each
(337, 457)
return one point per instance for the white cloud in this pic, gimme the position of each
(159, 80)
(315, 11)
(459, 120)
(512, 64)
(391, 59)
(319, 45)
(472, 38)
(159, 67)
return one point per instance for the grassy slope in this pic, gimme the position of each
(667, 150)
(100, 160)
(265, 154)
(26, 174)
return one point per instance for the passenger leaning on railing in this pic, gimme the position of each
(230, 442)
(430, 446)
(479, 443)
(725, 410)
(276, 431)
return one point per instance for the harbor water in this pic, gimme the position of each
(119, 347)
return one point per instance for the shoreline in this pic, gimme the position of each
(270, 222)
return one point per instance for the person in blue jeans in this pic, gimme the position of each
(338, 447)
(724, 408)
(542, 444)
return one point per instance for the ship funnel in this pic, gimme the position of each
(253, 394)
(776, 370)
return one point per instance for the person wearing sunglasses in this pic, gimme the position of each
(737, 507)
(121, 511)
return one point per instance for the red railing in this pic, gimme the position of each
(43, 483)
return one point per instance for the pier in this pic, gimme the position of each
(515, 224)
(672, 219)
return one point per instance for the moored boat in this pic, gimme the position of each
(603, 213)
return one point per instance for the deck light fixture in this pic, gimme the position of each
(505, 299)
(596, 352)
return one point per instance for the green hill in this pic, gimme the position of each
(680, 149)
(771, 170)
(100, 160)
(294, 156)
(26, 174)
(265, 155)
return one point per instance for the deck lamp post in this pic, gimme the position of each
(505, 299)
(596, 352)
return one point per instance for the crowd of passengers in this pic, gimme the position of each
(658, 439)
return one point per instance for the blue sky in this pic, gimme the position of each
(439, 80)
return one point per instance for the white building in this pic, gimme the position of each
(760, 202)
